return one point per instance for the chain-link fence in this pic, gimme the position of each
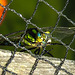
(56, 34)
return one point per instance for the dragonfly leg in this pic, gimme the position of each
(37, 51)
(48, 52)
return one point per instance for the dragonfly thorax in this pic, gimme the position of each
(35, 38)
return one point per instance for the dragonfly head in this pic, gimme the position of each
(43, 37)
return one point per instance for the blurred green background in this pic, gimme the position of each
(44, 17)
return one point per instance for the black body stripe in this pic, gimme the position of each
(32, 33)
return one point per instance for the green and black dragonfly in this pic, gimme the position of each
(35, 39)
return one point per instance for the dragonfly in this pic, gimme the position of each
(36, 39)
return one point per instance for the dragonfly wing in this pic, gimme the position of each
(15, 37)
(61, 32)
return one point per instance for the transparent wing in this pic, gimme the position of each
(61, 32)
(15, 37)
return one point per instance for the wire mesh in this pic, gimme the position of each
(28, 22)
